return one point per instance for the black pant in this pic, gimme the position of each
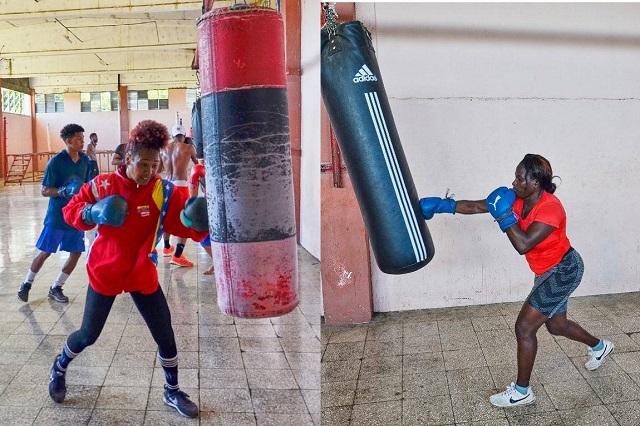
(153, 308)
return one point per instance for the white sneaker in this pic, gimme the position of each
(511, 397)
(597, 357)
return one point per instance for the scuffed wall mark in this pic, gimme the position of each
(344, 276)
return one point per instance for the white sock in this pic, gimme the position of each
(59, 282)
(30, 276)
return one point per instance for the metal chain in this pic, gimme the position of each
(331, 18)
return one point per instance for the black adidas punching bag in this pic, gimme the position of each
(359, 112)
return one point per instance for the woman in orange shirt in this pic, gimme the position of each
(535, 222)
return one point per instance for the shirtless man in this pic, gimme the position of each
(91, 153)
(175, 163)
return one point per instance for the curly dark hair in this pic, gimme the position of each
(538, 168)
(69, 130)
(148, 134)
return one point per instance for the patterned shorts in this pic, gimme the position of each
(552, 289)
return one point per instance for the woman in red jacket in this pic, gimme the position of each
(132, 207)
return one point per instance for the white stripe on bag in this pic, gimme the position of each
(399, 187)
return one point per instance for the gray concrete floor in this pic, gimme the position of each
(240, 372)
(439, 367)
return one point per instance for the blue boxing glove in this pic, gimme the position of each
(500, 205)
(432, 205)
(70, 190)
(108, 211)
(194, 215)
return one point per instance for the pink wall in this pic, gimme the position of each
(18, 133)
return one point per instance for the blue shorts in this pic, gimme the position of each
(51, 238)
(206, 242)
(552, 289)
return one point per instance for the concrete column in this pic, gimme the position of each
(34, 133)
(346, 265)
(124, 114)
(3, 143)
(292, 14)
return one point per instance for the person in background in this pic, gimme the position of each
(65, 173)
(91, 153)
(175, 160)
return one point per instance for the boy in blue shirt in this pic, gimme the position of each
(65, 173)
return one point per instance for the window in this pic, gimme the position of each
(192, 96)
(145, 100)
(51, 102)
(15, 102)
(99, 101)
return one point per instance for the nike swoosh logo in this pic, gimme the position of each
(603, 352)
(513, 401)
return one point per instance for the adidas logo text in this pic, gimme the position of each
(364, 74)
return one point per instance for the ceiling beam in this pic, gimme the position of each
(105, 63)
(23, 9)
(99, 35)
(167, 79)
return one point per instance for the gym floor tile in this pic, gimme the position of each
(435, 410)
(223, 378)
(119, 417)
(226, 400)
(215, 418)
(598, 415)
(271, 379)
(337, 394)
(284, 419)
(377, 413)
(378, 389)
(59, 415)
(285, 401)
(126, 398)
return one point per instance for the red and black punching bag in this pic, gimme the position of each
(359, 111)
(245, 128)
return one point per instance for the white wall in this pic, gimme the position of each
(310, 129)
(475, 87)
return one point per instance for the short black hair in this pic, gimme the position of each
(538, 168)
(93, 134)
(69, 130)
